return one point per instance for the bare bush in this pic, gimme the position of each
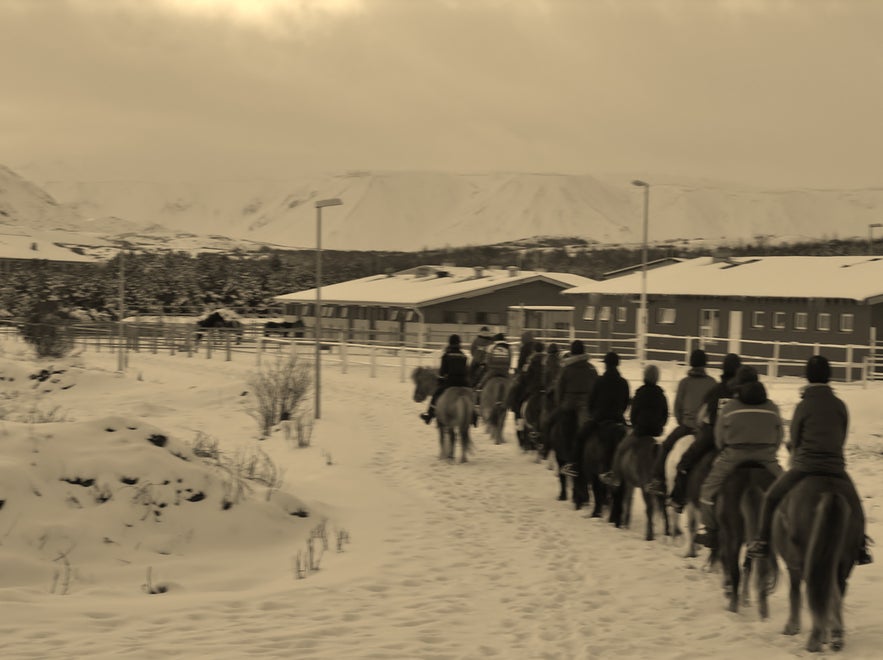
(49, 334)
(280, 388)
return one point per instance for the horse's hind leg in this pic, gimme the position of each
(792, 627)
(746, 581)
(648, 505)
(836, 620)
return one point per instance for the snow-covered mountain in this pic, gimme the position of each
(413, 210)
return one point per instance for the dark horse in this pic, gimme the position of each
(694, 485)
(492, 405)
(738, 511)
(634, 463)
(597, 459)
(219, 321)
(453, 411)
(819, 537)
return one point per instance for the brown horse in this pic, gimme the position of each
(634, 462)
(738, 512)
(533, 414)
(492, 405)
(597, 458)
(819, 536)
(453, 411)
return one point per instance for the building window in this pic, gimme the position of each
(757, 320)
(779, 320)
(801, 319)
(344, 312)
(411, 315)
(666, 315)
(494, 318)
(847, 322)
(393, 315)
(709, 323)
(589, 313)
(605, 313)
(622, 314)
(823, 321)
(450, 316)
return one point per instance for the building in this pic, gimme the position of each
(749, 305)
(428, 303)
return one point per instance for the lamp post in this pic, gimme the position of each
(322, 203)
(642, 321)
(871, 236)
(121, 331)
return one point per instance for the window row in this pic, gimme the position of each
(801, 321)
(604, 313)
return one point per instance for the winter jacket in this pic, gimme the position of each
(818, 431)
(715, 399)
(649, 411)
(499, 359)
(525, 350)
(453, 371)
(749, 421)
(532, 378)
(551, 370)
(576, 382)
(479, 346)
(690, 395)
(610, 397)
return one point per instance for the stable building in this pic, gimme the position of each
(762, 306)
(424, 305)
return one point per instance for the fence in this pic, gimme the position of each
(374, 349)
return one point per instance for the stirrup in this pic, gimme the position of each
(656, 487)
(568, 470)
(610, 479)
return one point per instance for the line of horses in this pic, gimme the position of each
(814, 531)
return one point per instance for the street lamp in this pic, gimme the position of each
(642, 321)
(871, 235)
(322, 203)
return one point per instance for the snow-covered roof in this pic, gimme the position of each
(21, 246)
(428, 285)
(855, 278)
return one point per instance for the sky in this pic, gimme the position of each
(467, 561)
(770, 93)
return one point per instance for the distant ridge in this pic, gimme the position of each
(409, 211)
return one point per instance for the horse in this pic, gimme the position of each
(597, 458)
(492, 405)
(692, 510)
(634, 460)
(453, 411)
(221, 320)
(533, 413)
(818, 536)
(555, 442)
(738, 513)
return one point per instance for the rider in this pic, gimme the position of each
(478, 352)
(691, 392)
(818, 433)
(576, 381)
(551, 369)
(531, 377)
(748, 428)
(452, 373)
(648, 415)
(498, 361)
(717, 397)
(607, 405)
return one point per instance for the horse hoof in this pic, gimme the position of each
(791, 628)
(813, 645)
(837, 642)
(562, 498)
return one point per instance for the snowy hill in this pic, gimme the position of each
(412, 210)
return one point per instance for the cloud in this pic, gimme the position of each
(761, 92)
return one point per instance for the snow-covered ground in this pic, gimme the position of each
(443, 561)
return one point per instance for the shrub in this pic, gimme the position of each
(48, 334)
(279, 390)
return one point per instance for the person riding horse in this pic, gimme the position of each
(497, 362)
(748, 429)
(817, 435)
(453, 372)
(717, 397)
(648, 415)
(688, 400)
(478, 353)
(531, 378)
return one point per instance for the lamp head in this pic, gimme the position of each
(322, 203)
(640, 184)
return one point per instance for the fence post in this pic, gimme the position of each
(189, 342)
(865, 371)
(344, 355)
(208, 338)
(872, 344)
(849, 363)
(258, 349)
(373, 362)
(172, 338)
(688, 349)
(404, 356)
(228, 347)
(775, 362)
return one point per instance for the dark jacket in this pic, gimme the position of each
(551, 370)
(690, 396)
(649, 411)
(453, 371)
(715, 399)
(818, 431)
(609, 398)
(749, 422)
(575, 382)
(532, 380)
(479, 346)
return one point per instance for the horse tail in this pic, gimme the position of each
(464, 413)
(824, 551)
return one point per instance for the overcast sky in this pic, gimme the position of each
(762, 92)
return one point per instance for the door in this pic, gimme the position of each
(709, 326)
(735, 339)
